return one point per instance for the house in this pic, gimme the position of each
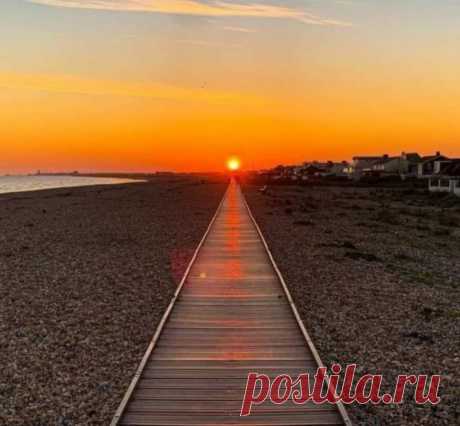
(282, 173)
(290, 173)
(389, 165)
(338, 169)
(447, 180)
(404, 165)
(277, 173)
(411, 161)
(363, 165)
(313, 169)
(322, 169)
(426, 167)
(441, 164)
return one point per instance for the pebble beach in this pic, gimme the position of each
(85, 276)
(375, 275)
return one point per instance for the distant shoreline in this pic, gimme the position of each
(115, 174)
(27, 183)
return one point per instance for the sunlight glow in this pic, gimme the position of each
(233, 164)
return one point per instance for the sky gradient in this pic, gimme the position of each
(144, 85)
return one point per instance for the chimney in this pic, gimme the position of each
(438, 153)
(385, 156)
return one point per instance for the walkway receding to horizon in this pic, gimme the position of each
(231, 317)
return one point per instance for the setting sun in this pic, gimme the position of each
(233, 164)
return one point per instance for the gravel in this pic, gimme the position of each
(85, 276)
(375, 274)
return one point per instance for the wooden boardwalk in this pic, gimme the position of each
(232, 314)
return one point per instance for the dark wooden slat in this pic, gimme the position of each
(197, 406)
(249, 333)
(154, 373)
(267, 302)
(231, 356)
(196, 383)
(174, 394)
(256, 320)
(233, 364)
(212, 342)
(303, 419)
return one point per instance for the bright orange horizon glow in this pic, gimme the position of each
(233, 164)
(165, 85)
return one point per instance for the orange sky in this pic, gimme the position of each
(186, 85)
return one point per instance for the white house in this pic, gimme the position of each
(426, 167)
(362, 164)
(448, 180)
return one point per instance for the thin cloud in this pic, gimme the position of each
(74, 85)
(215, 8)
(208, 43)
(238, 29)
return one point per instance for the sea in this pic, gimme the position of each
(37, 183)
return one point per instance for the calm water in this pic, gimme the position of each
(35, 183)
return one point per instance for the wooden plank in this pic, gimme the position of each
(227, 406)
(174, 394)
(229, 356)
(235, 364)
(214, 373)
(238, 314)
(298, 419)
(260, 303)
(242, 352)
(250, 311)
(204, 341)
(247, 333)
(234, 298)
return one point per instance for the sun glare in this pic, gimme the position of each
(233, 164)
